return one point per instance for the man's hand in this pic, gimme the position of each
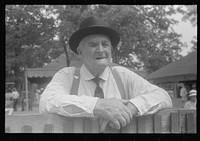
(114, 110)
(131, 107)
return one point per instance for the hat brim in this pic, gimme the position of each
(192, 95)
(80, 34)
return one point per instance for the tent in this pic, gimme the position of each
(184, 69)
(49, 70)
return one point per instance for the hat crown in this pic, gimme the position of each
(91, 22)
(192, 92)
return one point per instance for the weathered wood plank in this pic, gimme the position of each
(130, 128)
(79, 125)
(190, 124)
(164, 121)
(7, 129)
(68, 125)
(88, 125)
(165, 117)
(174, 122)
(48, 128)
(95, 126)
(109, 129)
(145, 124)
(26, 129)
(157, 123)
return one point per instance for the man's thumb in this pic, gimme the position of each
(124, 101)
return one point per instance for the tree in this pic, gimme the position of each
(68, 19)
(28, 32)
(190, 13)
(145, 32)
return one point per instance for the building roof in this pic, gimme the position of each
(186, 66)
(50, 69)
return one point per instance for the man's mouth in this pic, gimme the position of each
(99, 58)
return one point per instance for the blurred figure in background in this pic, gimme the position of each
(9, 102)
(15, 96)
(194, 86)
(191, 103)
(183, 92)
(171, 93)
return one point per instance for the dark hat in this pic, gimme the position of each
(93, 25)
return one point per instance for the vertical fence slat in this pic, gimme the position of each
(190, 124)
(182, 120)
(130, 128)
(145, 124)
(111, 130)
(88, 125)
(79, 125)
(7, 129)
(95, 126)
(26, 129)
(48, 128)
(68, 125)
(91, 125)
(174, 122)
(157, 123)
(166, 121)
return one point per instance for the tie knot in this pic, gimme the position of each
(96, 80)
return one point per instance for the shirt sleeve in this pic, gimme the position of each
(56, 97)
(148, 98)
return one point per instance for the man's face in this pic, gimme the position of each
(95, 51)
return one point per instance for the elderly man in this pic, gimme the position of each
(98, 94)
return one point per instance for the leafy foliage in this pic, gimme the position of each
(147, 38)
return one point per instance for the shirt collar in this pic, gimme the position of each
(85, 73)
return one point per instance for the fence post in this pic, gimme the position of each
(26, 129)
(48, 128)
(190, 123)
(145, 124)
(7, 130)
(132, 127)
(174, 122)
(157, 120)
(79, 125)
(68, 125)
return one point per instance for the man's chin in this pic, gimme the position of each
(102, 62)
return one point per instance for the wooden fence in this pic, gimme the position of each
(165, 121)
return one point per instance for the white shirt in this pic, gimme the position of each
(147, 97)
(190, 105)
(183, 92)
(15, 94)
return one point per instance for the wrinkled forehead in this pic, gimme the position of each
(95, 38)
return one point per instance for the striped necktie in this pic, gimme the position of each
(98, 91)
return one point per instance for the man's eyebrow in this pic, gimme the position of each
(92, 42)
(105, 41)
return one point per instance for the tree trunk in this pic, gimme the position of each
(66, 53)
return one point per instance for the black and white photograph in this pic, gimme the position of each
(101, 68)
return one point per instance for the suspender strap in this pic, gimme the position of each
(76, 80)
(119, 83)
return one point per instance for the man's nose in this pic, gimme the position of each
(100, 48)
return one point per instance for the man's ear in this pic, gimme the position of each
(79, 51)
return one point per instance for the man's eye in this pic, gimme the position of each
(92, 44)
(105, 44)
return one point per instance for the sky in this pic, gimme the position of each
(187, 31)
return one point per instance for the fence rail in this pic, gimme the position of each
(164, 121)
